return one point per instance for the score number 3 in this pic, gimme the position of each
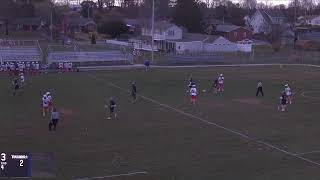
(3, 157)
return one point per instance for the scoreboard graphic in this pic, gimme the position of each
(25, 165)
(16, 164)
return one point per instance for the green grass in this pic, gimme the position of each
(165, 143)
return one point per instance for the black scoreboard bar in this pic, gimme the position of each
(17, 164)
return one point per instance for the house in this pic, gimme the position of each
(80, 24)
(233, 33)
(311, 20)
(74, 23)
(163, 31)
(132, 24)
(202, 43)
(28, 23)
(262, 20)
(212, 23)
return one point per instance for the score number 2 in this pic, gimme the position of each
(21, 163)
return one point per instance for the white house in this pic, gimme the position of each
(262, 20)
(201, 43)
(163, 30)
(311, 20)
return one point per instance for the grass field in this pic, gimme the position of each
(162, 134)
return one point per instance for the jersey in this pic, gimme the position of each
(221, 80)
(193, 92)
(22, 78)
(133, 90)
(112, 105)
(36, 66)
(49, 97)
(60, 65)
(45, 101)
(287, 90)
(283, 99)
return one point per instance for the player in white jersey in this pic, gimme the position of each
(22, 80)
(45, 105)
(28, 66)
(37, 67)
(221, 83)
(20, 66)
(48, 94)
(193, 94)
(1, 67)
(60, 67)
(288, 93)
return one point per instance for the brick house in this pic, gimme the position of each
(233, 33)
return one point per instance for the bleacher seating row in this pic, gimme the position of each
(113, 55)
(20, 54)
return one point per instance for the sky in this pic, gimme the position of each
(274, 2)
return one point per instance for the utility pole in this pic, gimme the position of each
(51, 24)
(152, 31)
(295, 12)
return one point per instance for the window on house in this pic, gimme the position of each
(171, 32)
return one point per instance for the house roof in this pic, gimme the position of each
(309, 17)
(274, 13)
(215, 22)
(190, 37)
(132, 22)
(271, 13)
(228, 28)
(162, 25)
(28, 21)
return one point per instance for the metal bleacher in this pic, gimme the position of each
(14, 51)
(110, 56)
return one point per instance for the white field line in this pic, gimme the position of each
(102, 68)
(238, 65)
(303, 94)
(111, 176)
(215, 124)
(305, 153)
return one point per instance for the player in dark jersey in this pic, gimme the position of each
(283, 101)
(191, 83)
(134, 92)
(215, 86)
(16, 87)
(112, 107)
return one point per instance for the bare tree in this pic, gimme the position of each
(249, 4)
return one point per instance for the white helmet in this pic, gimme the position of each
(47, 93)
(194, 85)
(221, 74)
(286, 85)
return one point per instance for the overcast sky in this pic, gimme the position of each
(274, 2)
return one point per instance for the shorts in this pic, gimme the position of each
(111, 110)
(45, 107)
(16, 87)
(50, 103)
(193, 97)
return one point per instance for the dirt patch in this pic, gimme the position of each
(250, 101)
